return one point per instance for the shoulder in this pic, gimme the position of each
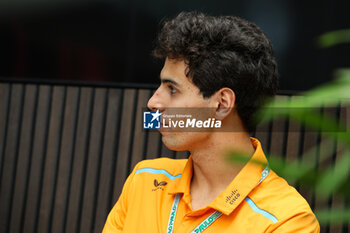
(283, 201)
(166, 166)
(163, 163)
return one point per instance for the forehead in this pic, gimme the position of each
(174, 69)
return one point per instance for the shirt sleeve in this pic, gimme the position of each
(305, 222)
(116, 218)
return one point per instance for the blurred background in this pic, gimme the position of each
(66, 150)
(111, 41)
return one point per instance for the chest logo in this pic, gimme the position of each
(159, 185)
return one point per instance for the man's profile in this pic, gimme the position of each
(225, 64)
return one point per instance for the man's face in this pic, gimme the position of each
(178, 91)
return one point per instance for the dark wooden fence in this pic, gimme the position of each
(67, 148)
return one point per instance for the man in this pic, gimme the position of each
(225, 64)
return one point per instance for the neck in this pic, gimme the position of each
(212, 173)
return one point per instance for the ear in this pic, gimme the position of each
(226, 100)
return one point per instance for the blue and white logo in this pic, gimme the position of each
(151, 120)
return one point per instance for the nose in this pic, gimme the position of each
(155, 102)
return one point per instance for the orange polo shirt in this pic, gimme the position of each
(249, 203)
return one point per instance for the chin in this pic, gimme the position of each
(174, 142)
(183, 141)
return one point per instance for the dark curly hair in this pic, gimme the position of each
(223, 51)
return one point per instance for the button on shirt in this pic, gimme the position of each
(248, 204)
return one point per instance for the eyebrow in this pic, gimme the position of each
(167, 80)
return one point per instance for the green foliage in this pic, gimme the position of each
(333, 179)
(333, 38)
(338, 216)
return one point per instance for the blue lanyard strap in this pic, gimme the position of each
(209, 220)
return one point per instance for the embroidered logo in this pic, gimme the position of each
(159, 185)
(232, 197)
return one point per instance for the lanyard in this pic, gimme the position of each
(209, 220)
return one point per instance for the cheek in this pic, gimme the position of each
(180, 102)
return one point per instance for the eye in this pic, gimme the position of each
(172, 89)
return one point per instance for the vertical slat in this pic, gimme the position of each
(113, 196)
(153, 143)
(51, 160)
(24, 158)
(165, 152)
(10, 155)
(292, 144)
(138, 141)
(173, 154)
(263, 134)
(108, 157)
(31, 206)
(278, 134)
(132, 132)
(86, 161)
(75, 132)
(94, 160)
(182, 154)
(260, 133)
(65, 160)
(160, 146)
(147, 132)
(79, 159)
(124, 142)
(5, 92)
